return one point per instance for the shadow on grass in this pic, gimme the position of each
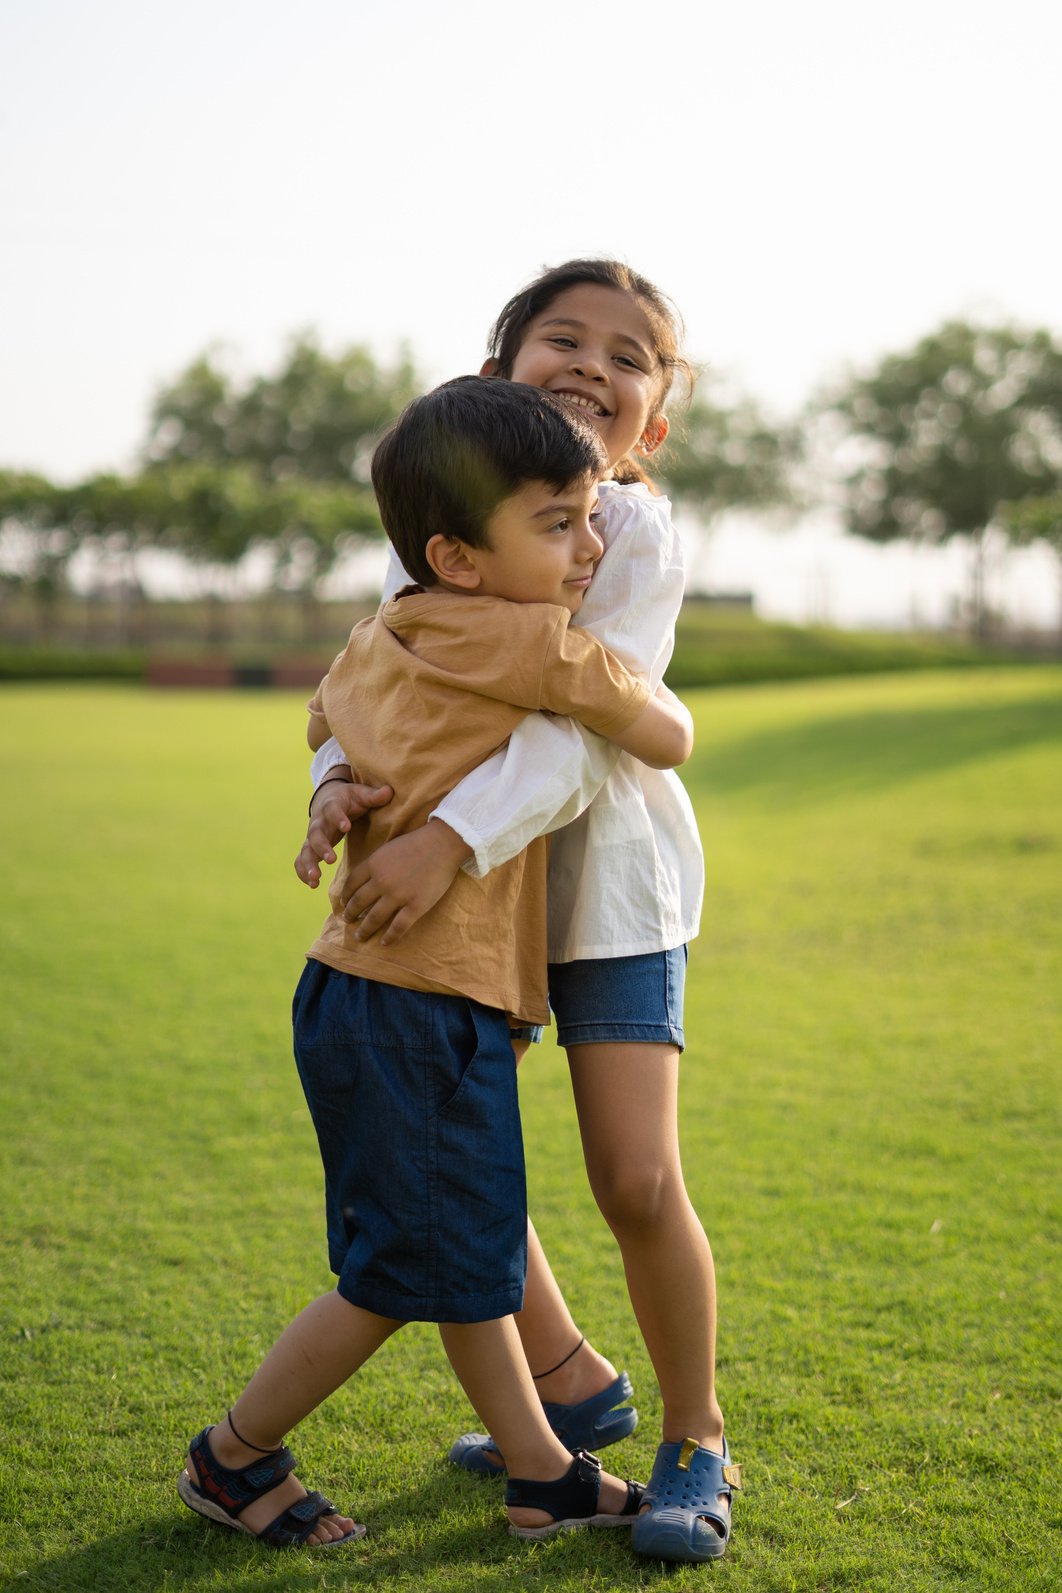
(851, 753)
(463, 1555)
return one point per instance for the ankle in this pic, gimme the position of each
(232, 1450)
(705, 1427)
(580, 1377)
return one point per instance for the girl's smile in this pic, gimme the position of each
(594, 347)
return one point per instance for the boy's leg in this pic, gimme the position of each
(315, 1355)
(489, 1361)
(635, 1171)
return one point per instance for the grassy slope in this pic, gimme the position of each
(870, 1133)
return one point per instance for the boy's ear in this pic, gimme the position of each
(451, 562)
(489, 368)
(653, 436)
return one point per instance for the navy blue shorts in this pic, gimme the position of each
(414, 1100)
(609, 1000)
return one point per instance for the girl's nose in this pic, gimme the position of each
(586, 363)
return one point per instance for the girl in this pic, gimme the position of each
(626, 879)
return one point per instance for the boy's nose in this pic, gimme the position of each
(591, 546)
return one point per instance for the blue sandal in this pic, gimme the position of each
(685, 1520)
(592, 1424)
(223, 1494)
(571, 1500)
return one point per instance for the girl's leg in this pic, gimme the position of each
(315, 1355)
(548, 1331)
(635, 1171)
(489, 1360)
(549, 1334)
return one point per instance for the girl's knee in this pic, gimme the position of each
(637, 1195)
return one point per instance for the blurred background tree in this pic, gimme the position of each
(1037, 520)
(318, 416)
(724, 453)
(941, 437)
(37, 540)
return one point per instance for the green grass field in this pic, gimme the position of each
(870, 1110)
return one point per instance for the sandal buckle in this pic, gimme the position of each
(732, 1476)
(686, 1453)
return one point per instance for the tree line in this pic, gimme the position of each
(955, 437)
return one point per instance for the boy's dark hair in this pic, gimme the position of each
(507, 333)
(454, 454)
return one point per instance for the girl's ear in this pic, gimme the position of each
(451, 563)
(489, 368)
(653, 436)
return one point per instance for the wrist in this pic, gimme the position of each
(451, 846)
(330, 779)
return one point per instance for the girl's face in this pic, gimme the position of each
(594, 347)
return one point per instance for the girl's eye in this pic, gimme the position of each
(561, 341)
(626, 359)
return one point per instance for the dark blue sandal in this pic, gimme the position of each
(685, 1520)
(571, 1500)
(223, 1495)
(592, 1424)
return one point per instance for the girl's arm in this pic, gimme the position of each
(553, 768)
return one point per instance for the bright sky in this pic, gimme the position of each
(812, 184)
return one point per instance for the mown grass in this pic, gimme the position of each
(870, 1104)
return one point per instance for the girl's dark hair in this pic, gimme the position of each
(507, 333)
(454, 454)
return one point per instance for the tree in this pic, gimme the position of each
(317, 417)
(214, 515)
(37, 541)
(1037, 520)
(945, 434)
(726, 455)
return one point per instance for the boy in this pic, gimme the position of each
(486, 489)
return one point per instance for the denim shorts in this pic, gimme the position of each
(413, 1097)
(603, 1000)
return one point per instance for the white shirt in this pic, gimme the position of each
(626, 871)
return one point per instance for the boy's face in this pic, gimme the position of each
(543, 545)
(594, 346)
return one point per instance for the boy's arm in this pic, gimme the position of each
(552, 768)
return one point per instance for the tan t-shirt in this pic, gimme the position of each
(425, 690)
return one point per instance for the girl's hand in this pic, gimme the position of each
(402, 881)
(336, 804)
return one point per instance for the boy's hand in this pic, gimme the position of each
(336, 804)
(404, 879)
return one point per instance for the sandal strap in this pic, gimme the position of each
(576, 1425)
(234, 1490)
(295, 1524)
(568, 1498)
